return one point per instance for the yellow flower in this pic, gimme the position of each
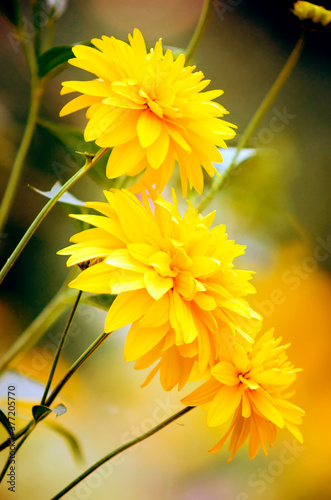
(309, 11)
(150, 109)
(250, 384)
(175, 278)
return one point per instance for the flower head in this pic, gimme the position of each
(175, 280)
(309, 12)
(250, 385)
(150, 109)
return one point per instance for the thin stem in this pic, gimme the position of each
(49, 35)
(12, 454)
(20, 433)
(42, 214)
(199, 30)
(37, 7)
(39, 326)
(84, 357)
(16, 173)
(257, 117)
(122, 448)
(60, 347)
(33, 423)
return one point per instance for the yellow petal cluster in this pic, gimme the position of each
(310, 11)
(150, 109)
(250, 385)
(175, 280)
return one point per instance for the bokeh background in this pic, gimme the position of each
(278, 203)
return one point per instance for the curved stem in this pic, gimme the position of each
(199, 30)
(39, 326)
(60, 347)
(84, 357)
(42, 214)
(16, 173)
(257, 117)
(122, 448)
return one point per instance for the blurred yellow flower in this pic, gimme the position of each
(250, 384)
(150, 109)
(309, 11)
(175, 278)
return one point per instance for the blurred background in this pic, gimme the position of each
(277, 202)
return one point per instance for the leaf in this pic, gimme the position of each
(55, 60)
(228, 155)
(59, 410)
(72, 139)
(10, 10)
(101, 301)
(69, 203)
(258, 194)
(39, 412)
(71, 440)
(66, 198)
(5, 422)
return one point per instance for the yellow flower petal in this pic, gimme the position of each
(148, 128)
(263, 403)
(226, 373)
(156, 285)
(126, 308)
(141, 340)
(203, 394)
(224, 404)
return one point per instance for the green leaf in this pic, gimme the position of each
(72, 139)
(39, 412)
(5, 422)
(10, 10)
(101, 301)
(71, 440)
(55, 60)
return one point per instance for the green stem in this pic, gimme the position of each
(84, 357)
(33, 423)
(122, 448)
(37, 7)
(42, 214)
(39, 326)
(199, 30)
(60, 347)
(20, 433)
(12, 454)
(16, 173)
(49, 35)
(257, 117)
